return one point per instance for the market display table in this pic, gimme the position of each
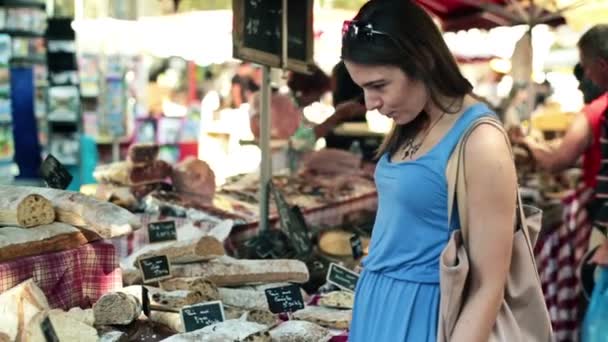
(76, 277)
(558, 252)
(329, 214)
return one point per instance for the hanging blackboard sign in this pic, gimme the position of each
(155, 268)
(162, 231)
(293, 222)
(55, 175)
(257, 27)
(342, 277)
(199, 316)
(284, 299)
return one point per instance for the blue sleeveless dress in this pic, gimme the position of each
(397, 296)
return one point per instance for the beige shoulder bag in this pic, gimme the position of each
(523, 314)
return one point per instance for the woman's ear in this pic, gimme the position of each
(603, 64)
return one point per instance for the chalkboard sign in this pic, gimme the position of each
(145, 301)
(162, 231)
(284, 299)
(355, 245)
(342, 277)
(155, 268)
(293, 221)
(199, 316)
(55, 175)
(48, 331)
(257, 32)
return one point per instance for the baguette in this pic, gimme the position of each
(18, 306)
(19, 242)
(104, 219)
(226, 271)
(19, 207)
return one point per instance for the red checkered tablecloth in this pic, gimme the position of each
(76, 277)
(558, 254)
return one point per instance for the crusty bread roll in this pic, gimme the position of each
(21, 208)
(194, 176)
(116, 308)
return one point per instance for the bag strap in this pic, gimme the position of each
(455, 172)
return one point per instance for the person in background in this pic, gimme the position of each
(305, 90)
(244, 84)
(395, 52)
(581, 139)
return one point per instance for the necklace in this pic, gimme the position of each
(410, 148)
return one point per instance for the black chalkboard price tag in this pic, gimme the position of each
(155, 268)
(55, 175)
(198, 316)
(257, 32)
(293, 221)
(145, 301)
(162, 231)
(284, 299)
(356, 246)
(342, 277)
(48, 331)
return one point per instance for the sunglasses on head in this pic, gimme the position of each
(354, 29)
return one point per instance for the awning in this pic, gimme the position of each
(456, 15)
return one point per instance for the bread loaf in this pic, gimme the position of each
(226, 271)
(116, 309)
(192, 245)
(230, 330)
(172, 320)
(102, 218)
(299, 331)
(18, 306)
(204, 286)
(85, 316)
(21, 208)
(326, 317)
(338, 300)
(247, 297)
(66, 328)
(117, 194)
(179, 252)
(127, 173)
(194, 176)
(172, 300)
(20, 242)
(142, 153)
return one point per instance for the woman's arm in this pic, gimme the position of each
(491, 197)
(344, 111)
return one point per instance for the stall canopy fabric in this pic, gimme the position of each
(456, 15)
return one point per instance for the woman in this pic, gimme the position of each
(394, 51)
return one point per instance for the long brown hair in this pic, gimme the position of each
(417, 47)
